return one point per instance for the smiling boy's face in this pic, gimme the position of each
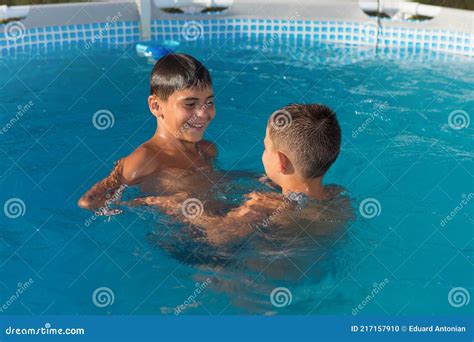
(187, 113)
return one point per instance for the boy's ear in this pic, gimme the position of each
(154, 105)
(285, 166)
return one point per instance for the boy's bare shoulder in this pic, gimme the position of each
(208, 148)
(141, 162)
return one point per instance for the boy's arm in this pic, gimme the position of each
(96, 196)
(127, 171)
(236, 224)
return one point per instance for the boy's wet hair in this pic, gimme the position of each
(175, 72)
(309, 134)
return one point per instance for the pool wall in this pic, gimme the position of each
(338, 22)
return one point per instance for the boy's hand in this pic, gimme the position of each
(89, 202)
(262, 200)
(253, 198)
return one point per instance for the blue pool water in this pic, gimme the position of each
(398, 148)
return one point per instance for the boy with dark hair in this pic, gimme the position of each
(181, 99)
(302, 142)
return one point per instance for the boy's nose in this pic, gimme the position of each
(202, 111)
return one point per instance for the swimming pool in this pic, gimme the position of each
(406, 162)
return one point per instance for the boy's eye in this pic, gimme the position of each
(190, 104)
(210, 103)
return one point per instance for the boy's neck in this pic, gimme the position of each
(312, 188)
(172, 142)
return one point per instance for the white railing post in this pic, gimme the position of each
(144, 13)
